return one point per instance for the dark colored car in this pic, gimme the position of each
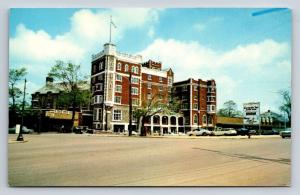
(242, 131)
(269, 132)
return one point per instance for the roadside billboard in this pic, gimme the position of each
(251, 113)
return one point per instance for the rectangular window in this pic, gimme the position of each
(149, 77)
(134, 80)
(149, 96)
(195, 88)
(184, 88)
(185, 106)
(100, 77)
(118, 77)
(117, 114)
(119, 88)
(98, 99)
(160, 88)
(100, 65)
(95, 114)
(101, 87)
(160, 79)
(170, 81)
(135, 102)
(134, 91)
(100, 114)
(118, 99)
(196, 106)
(93, 89)
(213, 107)
(149, 86)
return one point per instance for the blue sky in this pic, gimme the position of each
(249, 57)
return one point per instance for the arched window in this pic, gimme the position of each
(195, 119)
(119, 66)
(126, 67)
(204, 119)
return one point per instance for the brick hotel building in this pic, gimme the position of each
(110, 85)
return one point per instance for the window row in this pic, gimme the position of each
(134, 69)
(100, 67)
(205, 120)
(134, 80)
(118, 100)
(134, 90)
(149, 77)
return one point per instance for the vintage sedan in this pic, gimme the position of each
(199, 132)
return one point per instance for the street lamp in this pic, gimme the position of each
(20, 136)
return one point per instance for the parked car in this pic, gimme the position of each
(245, 131)
(269, 132)
(25, 130)
(199, 132)
(242, 131)
(286, 133)
(224, 131)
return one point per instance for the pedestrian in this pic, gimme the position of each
(249, 135)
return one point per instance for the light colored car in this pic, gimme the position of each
(286, 133)
(25, 130)
(199, 132)
(224, 131)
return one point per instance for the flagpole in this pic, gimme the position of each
(110, 30)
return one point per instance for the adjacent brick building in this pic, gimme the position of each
(198, 100)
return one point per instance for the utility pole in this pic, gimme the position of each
(20, 136)
(130, 104)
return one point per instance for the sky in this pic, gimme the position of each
(248, 56)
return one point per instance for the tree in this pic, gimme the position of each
(15, 75)
(229, 110)
(70, 77)
(152, 107)
(286, 106)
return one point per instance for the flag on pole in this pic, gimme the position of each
(112, 22)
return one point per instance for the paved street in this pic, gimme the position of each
(95, 160)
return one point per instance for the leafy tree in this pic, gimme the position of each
(70, 77)
(229, 110)
(15, 75)
(286, 106)
(152, 107)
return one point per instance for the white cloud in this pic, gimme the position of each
(38, 50)
(255, 66)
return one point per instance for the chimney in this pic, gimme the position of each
(49, 81)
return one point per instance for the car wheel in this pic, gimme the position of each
(204, 134)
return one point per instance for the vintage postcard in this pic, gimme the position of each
(149, 97)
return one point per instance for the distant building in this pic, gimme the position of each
(199, 102)
(46, 100)
(110, 85)
(272, 119)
